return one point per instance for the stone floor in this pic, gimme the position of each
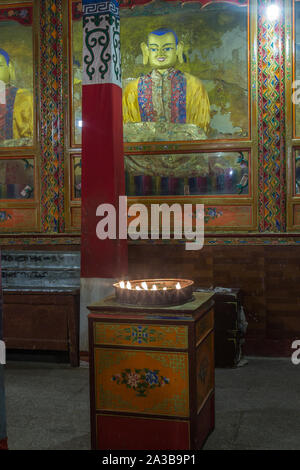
(257, 406)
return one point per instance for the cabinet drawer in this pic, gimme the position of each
(204, 325)
(141, 381)
(134, 433)
(141, 335)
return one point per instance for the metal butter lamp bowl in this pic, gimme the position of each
(155, 292)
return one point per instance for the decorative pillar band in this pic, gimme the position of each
(51, 111)
(271, 125)
(101, 43)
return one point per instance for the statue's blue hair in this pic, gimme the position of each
(5, 55)
(162, 31)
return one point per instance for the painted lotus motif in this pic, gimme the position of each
(140, 380)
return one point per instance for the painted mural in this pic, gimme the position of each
(16, 77)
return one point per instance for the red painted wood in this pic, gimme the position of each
(205, 422)
(3, 444)
(129, 433)
(102, 178)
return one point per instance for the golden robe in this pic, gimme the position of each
(23, 114)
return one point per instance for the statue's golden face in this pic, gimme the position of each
(4, 70)
(162, 50)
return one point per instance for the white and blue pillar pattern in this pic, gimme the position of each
(101, 42)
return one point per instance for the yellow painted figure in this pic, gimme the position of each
(166, 94)
(16, 104)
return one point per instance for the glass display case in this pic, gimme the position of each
(19, 163)
(189, 109)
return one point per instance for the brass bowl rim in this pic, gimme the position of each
(187, 282)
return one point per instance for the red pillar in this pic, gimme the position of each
(103, 181)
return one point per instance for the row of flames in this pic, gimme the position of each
(144, 286)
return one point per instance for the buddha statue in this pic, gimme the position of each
(166, 95)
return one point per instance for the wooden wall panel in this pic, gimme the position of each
(170, 261)
(243, 268)
(283, 292)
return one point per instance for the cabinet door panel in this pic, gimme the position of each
(151, 382)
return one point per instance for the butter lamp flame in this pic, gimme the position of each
(154, 292)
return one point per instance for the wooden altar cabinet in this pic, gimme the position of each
(151, 375)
